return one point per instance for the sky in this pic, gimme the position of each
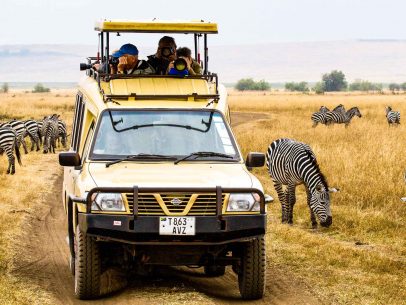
(240, 22)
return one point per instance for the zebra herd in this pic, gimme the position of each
(339, 116)
(48, 131)
(336, 116)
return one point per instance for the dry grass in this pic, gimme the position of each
(21, 194)
(366, 161)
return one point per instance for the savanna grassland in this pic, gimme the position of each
(22, 195)
(360, 259)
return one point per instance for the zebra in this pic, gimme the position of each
(8, 142)
(32, 131)
(51, 133)
(342, 118)
(320, 116)
(393, 117)
(291, 163)
(20, 130)
(62, 134)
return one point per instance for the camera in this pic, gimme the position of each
(113, 60)
(180, 64)
(167, 51)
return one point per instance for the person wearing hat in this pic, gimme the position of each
(128, 62)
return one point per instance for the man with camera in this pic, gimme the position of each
(165, 54)
(125, 61)
(128, 62)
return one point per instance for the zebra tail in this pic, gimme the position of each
(18, 155)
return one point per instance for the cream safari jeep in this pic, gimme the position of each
(154, 175)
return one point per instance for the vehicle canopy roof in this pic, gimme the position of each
(156, 26)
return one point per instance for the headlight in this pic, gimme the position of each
(246, 202)
(112, 202)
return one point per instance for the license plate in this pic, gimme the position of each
(177, 226)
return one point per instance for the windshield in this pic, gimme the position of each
(177, 133)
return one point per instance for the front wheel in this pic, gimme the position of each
(251, 276)
(87, 266)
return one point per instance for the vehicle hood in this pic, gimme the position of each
(170, 175)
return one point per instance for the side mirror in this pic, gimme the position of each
(69, 158)
(255, 159)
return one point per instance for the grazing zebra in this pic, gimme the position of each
(8, 143)
(320, 117)
(342, 118)
(32, 131)
(62, 134)
(20, 130)
(291, 163)
(51, 133)
(393, 117)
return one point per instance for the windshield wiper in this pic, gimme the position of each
(141, 156)
(198, 154)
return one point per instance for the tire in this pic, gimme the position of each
(214, 270)
(87, 267)
(251, 278)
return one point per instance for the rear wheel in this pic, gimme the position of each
(214, 270)
(87, 266)
(251, 276)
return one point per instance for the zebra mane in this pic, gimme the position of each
(316, 165)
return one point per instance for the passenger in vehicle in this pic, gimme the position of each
(128, 62)
(165, 53)
(193, 66)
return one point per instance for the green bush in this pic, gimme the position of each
(394, 87)
(319, 88)
(250, 84)
(4, 88)
(364, 85)
(301, 87)
(40, 88)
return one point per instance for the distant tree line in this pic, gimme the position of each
(37, 89)
(335, 81)
(250, 84)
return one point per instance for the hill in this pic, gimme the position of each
(374, 60)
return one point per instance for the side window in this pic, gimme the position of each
(87, 141)
(78, 121)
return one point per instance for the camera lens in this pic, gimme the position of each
(180, 64)
(167, 51)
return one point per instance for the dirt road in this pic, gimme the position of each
(43, 261)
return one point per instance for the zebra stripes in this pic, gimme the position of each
(8, 143)
(321, 115)
(20, 130)
(51, 133)
(31, 127)
(393, 117)
(335, 117)
(291, 163)
(62, 134)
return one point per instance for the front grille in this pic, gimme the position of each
(174, 204)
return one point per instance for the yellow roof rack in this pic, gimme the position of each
(156, 26)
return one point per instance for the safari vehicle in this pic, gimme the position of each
(154, 175)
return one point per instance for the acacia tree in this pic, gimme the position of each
(334, 81)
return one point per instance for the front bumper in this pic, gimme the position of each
(210, 230)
